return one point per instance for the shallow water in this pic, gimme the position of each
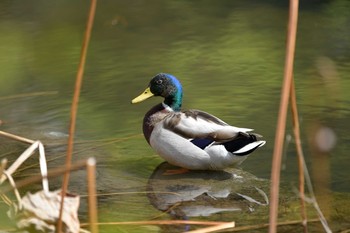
(229, 56)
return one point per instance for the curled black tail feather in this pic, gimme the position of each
(241, 141)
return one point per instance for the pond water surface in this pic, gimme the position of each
(229, 56)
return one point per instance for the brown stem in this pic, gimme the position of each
(52, 173)
(91, 178)
(296, 130)
(16, 137)
(282, 116)
(74, 107)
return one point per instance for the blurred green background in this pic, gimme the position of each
(229, 56)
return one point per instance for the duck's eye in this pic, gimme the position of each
(159, 81)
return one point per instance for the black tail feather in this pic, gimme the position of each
(240, 141)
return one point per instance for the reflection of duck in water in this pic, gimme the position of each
(203, 193)
(192, 139)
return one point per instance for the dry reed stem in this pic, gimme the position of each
(3, 165)
(214, 228)
(296, 131)
(204, 223)
(282, 116)
(74, 107)
(26, 154)
(13, 184)
(16, 137)
(6, 200)
(264, 225)
(159, 222)
(313, 200)
(91, 179)
(52, 173)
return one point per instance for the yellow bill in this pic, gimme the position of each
(145, 95)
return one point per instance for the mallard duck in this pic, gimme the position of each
(192, 139)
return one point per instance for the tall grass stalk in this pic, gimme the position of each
(282, 116)
(74, 107)
(296, 131)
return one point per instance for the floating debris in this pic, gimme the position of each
(40, 212)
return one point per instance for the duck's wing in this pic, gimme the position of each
(196, 124)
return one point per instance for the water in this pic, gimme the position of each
(229, 56)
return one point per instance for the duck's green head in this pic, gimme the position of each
(165, 85)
